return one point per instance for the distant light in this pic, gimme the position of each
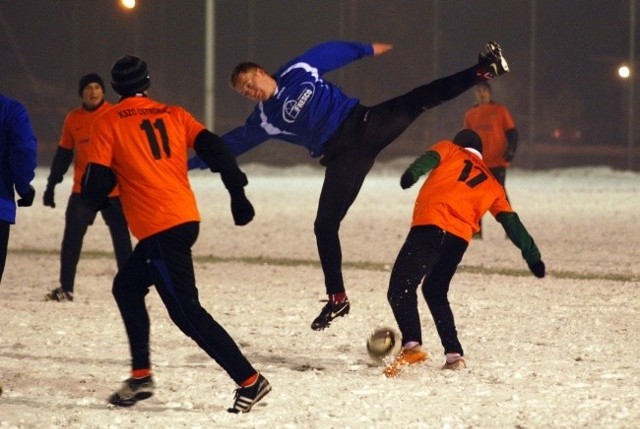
(624, 72)
(567, 134)
(129, 4)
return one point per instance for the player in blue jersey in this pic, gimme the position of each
(297, 105)
(17, 167)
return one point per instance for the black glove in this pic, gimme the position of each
(241, 208)
(47, 198)
(538, 269)
(26, 198)
(407, 180)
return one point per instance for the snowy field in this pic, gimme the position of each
(553, 353)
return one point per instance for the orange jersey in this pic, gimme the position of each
(145, 143)
(490, 121)
(458, 192)
(75, 136)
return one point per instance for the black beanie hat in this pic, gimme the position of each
(129, 75)
(87, 79)
(468, 138)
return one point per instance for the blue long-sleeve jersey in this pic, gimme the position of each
(306, 110)
(17, 155)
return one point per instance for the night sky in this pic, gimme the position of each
(47, 45)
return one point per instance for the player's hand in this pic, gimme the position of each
(381, 48)
(538, 269)
(241, 208)
(407, 180)
(26, 198)
(48, 199)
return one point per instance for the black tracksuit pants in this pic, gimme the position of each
(78, 217)
(164, 260)
(351, 152)
(429, 255)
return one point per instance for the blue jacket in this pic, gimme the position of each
(17, 155)
(306, 110)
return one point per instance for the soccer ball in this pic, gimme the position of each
(383, 342)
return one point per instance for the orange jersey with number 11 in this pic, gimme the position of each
(458, 192)
(145, 143)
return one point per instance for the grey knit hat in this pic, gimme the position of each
(129, 75)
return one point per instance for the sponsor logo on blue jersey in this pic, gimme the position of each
(292, 107)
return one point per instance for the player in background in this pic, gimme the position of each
(298, 106)
(78, 217)
(142, 144)
(495, 126)
(18, 158)
(459, 190)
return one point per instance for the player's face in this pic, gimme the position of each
(92, 95)
(483, 95)
(256, 85)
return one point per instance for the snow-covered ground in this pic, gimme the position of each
(558, 352)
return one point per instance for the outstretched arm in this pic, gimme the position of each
(519, 236)
(333, 55)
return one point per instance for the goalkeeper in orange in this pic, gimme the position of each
(459, 190)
